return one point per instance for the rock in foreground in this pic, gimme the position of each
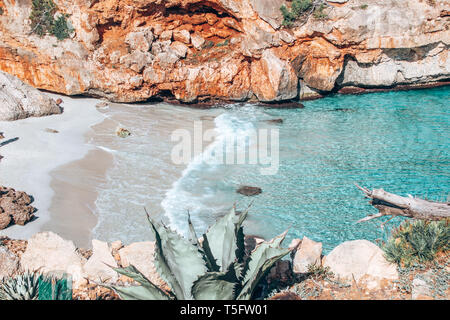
(48, 252)
(19, 100)
(355, 259)
(308, 253)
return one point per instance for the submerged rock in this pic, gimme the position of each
(19, 100)
(123, 133)
(249, 191)
(277, 121)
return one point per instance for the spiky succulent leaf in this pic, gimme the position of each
(161, 264)
(216, 286)
(21, 287)
(211, 262)
(142, 292)
(222, 238)
(150, 290)
(192, 234)
(262, 258)
(177, 260)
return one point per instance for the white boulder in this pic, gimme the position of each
(355, 259)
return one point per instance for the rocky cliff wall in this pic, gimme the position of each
(199, 50)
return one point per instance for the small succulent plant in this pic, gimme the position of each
(216, 268)
(36, 286)
(24, 286)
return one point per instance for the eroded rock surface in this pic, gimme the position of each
(47, 252)
(140, 255)
(15, 207)
(352, 260)
(195, 50)
(99, 266)
(19, 100)
(309, 253)
(9, 263)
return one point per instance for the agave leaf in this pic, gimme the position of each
(177, 260)
(216, 286)
(146, 291)
(192, 234)
(142, 292)
(161, 265)
(261, 260)
(211, 262)
(222, 238)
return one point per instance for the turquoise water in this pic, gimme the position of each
(398, 141)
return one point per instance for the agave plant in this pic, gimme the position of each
(216, 268)
(24, 286)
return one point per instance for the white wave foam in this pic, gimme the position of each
(191, 194)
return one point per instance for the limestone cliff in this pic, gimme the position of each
(196, 50)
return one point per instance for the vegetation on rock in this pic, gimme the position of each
(43, 21)
(417, 241)
(302, 9)
(217, 268)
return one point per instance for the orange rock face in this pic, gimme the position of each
(198, 50)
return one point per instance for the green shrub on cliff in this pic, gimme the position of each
(417, 242)
(303, 9)
(217, 268)
(43, 20)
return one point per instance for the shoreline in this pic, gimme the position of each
(45, 144)
(73, 209)
(285, 104)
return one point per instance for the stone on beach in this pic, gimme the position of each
(123, 133)
(15, 207)
(140, 255)
(355, 259)
(19, 100)
(48, 252)
(308, 253)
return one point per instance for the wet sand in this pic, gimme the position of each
(72, 210)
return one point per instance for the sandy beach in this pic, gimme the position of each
(29, 165)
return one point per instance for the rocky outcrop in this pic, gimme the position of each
(9, 263)
(19, 100)
(99, 266)
(196, 50)
(15, 207)
(309, 253)
(47, 252)
(140, 255)
(353, 260)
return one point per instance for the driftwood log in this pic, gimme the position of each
(389, 204)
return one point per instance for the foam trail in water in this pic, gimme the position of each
(191, 192)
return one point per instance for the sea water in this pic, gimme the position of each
(398, 141)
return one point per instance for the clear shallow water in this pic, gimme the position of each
(398, 141)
